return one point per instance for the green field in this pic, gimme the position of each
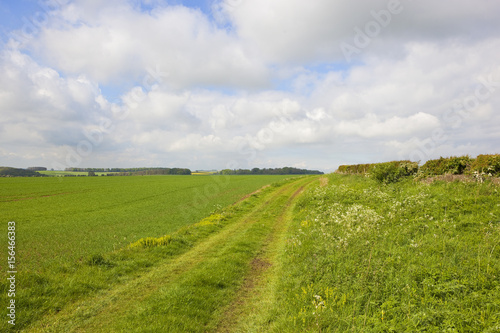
(61, 223)
(66, 219)
(345, 253)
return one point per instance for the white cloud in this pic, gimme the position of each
(297, 31)
(112, 43)
(371, 126)
(264, 83)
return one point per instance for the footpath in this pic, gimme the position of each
(224, 283)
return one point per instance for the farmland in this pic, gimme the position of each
(68, 219)
(62, 222)
(310, 254)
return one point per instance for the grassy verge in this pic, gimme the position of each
(403, 257)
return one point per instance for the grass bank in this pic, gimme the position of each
(403, 257)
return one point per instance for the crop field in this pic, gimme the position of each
(331, 253)
(61, 220)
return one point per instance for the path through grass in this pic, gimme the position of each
(315, 254)
(189, 292)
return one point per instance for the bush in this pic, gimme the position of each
(392, 172)
(486, 164)
(447, 166)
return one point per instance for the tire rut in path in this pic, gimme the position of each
(264, 260)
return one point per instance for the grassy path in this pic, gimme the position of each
(251, 304)
(212, 287)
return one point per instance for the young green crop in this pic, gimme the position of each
(61, 220)
(68, 225)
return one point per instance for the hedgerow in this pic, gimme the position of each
(449, 165)
(390, 172)
(487, 164)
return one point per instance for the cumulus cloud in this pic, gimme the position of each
(297, 31)
(371, 126)
(40, 110)
(114, 41)
(265, 83)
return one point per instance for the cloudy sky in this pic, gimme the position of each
(211, 84)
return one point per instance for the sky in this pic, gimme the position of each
(215, 84)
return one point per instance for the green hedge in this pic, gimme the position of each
(387, 172)
(354, 169)
(390, 172)
(482, 164)
(447, 165)
(486, 164)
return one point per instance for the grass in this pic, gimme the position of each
(348, 254)
(179, 286)
(405, 257)
(63, 224)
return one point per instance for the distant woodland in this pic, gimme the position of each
(134, 171)
(15, 172)
(275, 171)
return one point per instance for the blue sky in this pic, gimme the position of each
(265, 83)
(12, 12)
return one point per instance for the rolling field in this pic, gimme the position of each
(60, 220)
(331, 253)
(62, 223)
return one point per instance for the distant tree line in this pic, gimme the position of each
(155, 171)
(133, 171)
(271, 171)
(37, 169)
(15, 172)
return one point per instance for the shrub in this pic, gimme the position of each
(391, 172)
(487, 164)
(447, 166)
